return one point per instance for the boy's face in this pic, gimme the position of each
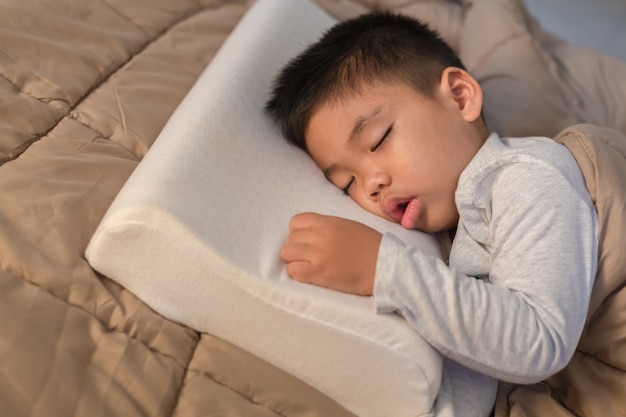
(397, 153)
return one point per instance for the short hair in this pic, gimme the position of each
(374, 47)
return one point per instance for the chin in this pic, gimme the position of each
(436, 228)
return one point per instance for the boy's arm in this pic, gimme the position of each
(464, 393)
(523, 324)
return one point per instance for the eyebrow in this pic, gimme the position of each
(362, 121)
(360, 124)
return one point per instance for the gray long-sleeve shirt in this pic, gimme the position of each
(513, 299)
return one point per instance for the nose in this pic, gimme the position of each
(375, 184)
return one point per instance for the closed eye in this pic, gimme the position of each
(380, 142)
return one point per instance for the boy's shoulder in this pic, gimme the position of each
(503, 148)
(498, 152)
(536, 159)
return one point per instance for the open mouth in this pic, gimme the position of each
(403, 211)
(401, 208)
(395, 208)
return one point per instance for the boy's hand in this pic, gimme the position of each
(332, 252)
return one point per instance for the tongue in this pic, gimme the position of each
(409, 218)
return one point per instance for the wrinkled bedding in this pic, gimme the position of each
(85, 88)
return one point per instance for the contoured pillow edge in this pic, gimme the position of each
(355, 370)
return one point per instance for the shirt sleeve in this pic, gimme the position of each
(464, 393)
(523, 322)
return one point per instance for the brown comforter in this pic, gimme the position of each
(85, 87)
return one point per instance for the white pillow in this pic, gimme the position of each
(196, 232)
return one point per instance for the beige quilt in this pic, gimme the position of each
(86, 86)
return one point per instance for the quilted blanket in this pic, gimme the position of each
(85, 88)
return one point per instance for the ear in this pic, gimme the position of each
(464, 90)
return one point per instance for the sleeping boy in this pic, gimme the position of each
(389, 114)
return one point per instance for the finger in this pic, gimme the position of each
(302, 236)
(291, 252)
(302, 221)
(299, 270)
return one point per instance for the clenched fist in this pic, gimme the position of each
(332, 252)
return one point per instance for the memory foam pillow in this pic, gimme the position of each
(197, 229)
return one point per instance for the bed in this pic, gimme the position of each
(85, 90)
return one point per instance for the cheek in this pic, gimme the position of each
(413, 163)
(366, 203)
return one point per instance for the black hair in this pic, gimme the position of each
(374, 47)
